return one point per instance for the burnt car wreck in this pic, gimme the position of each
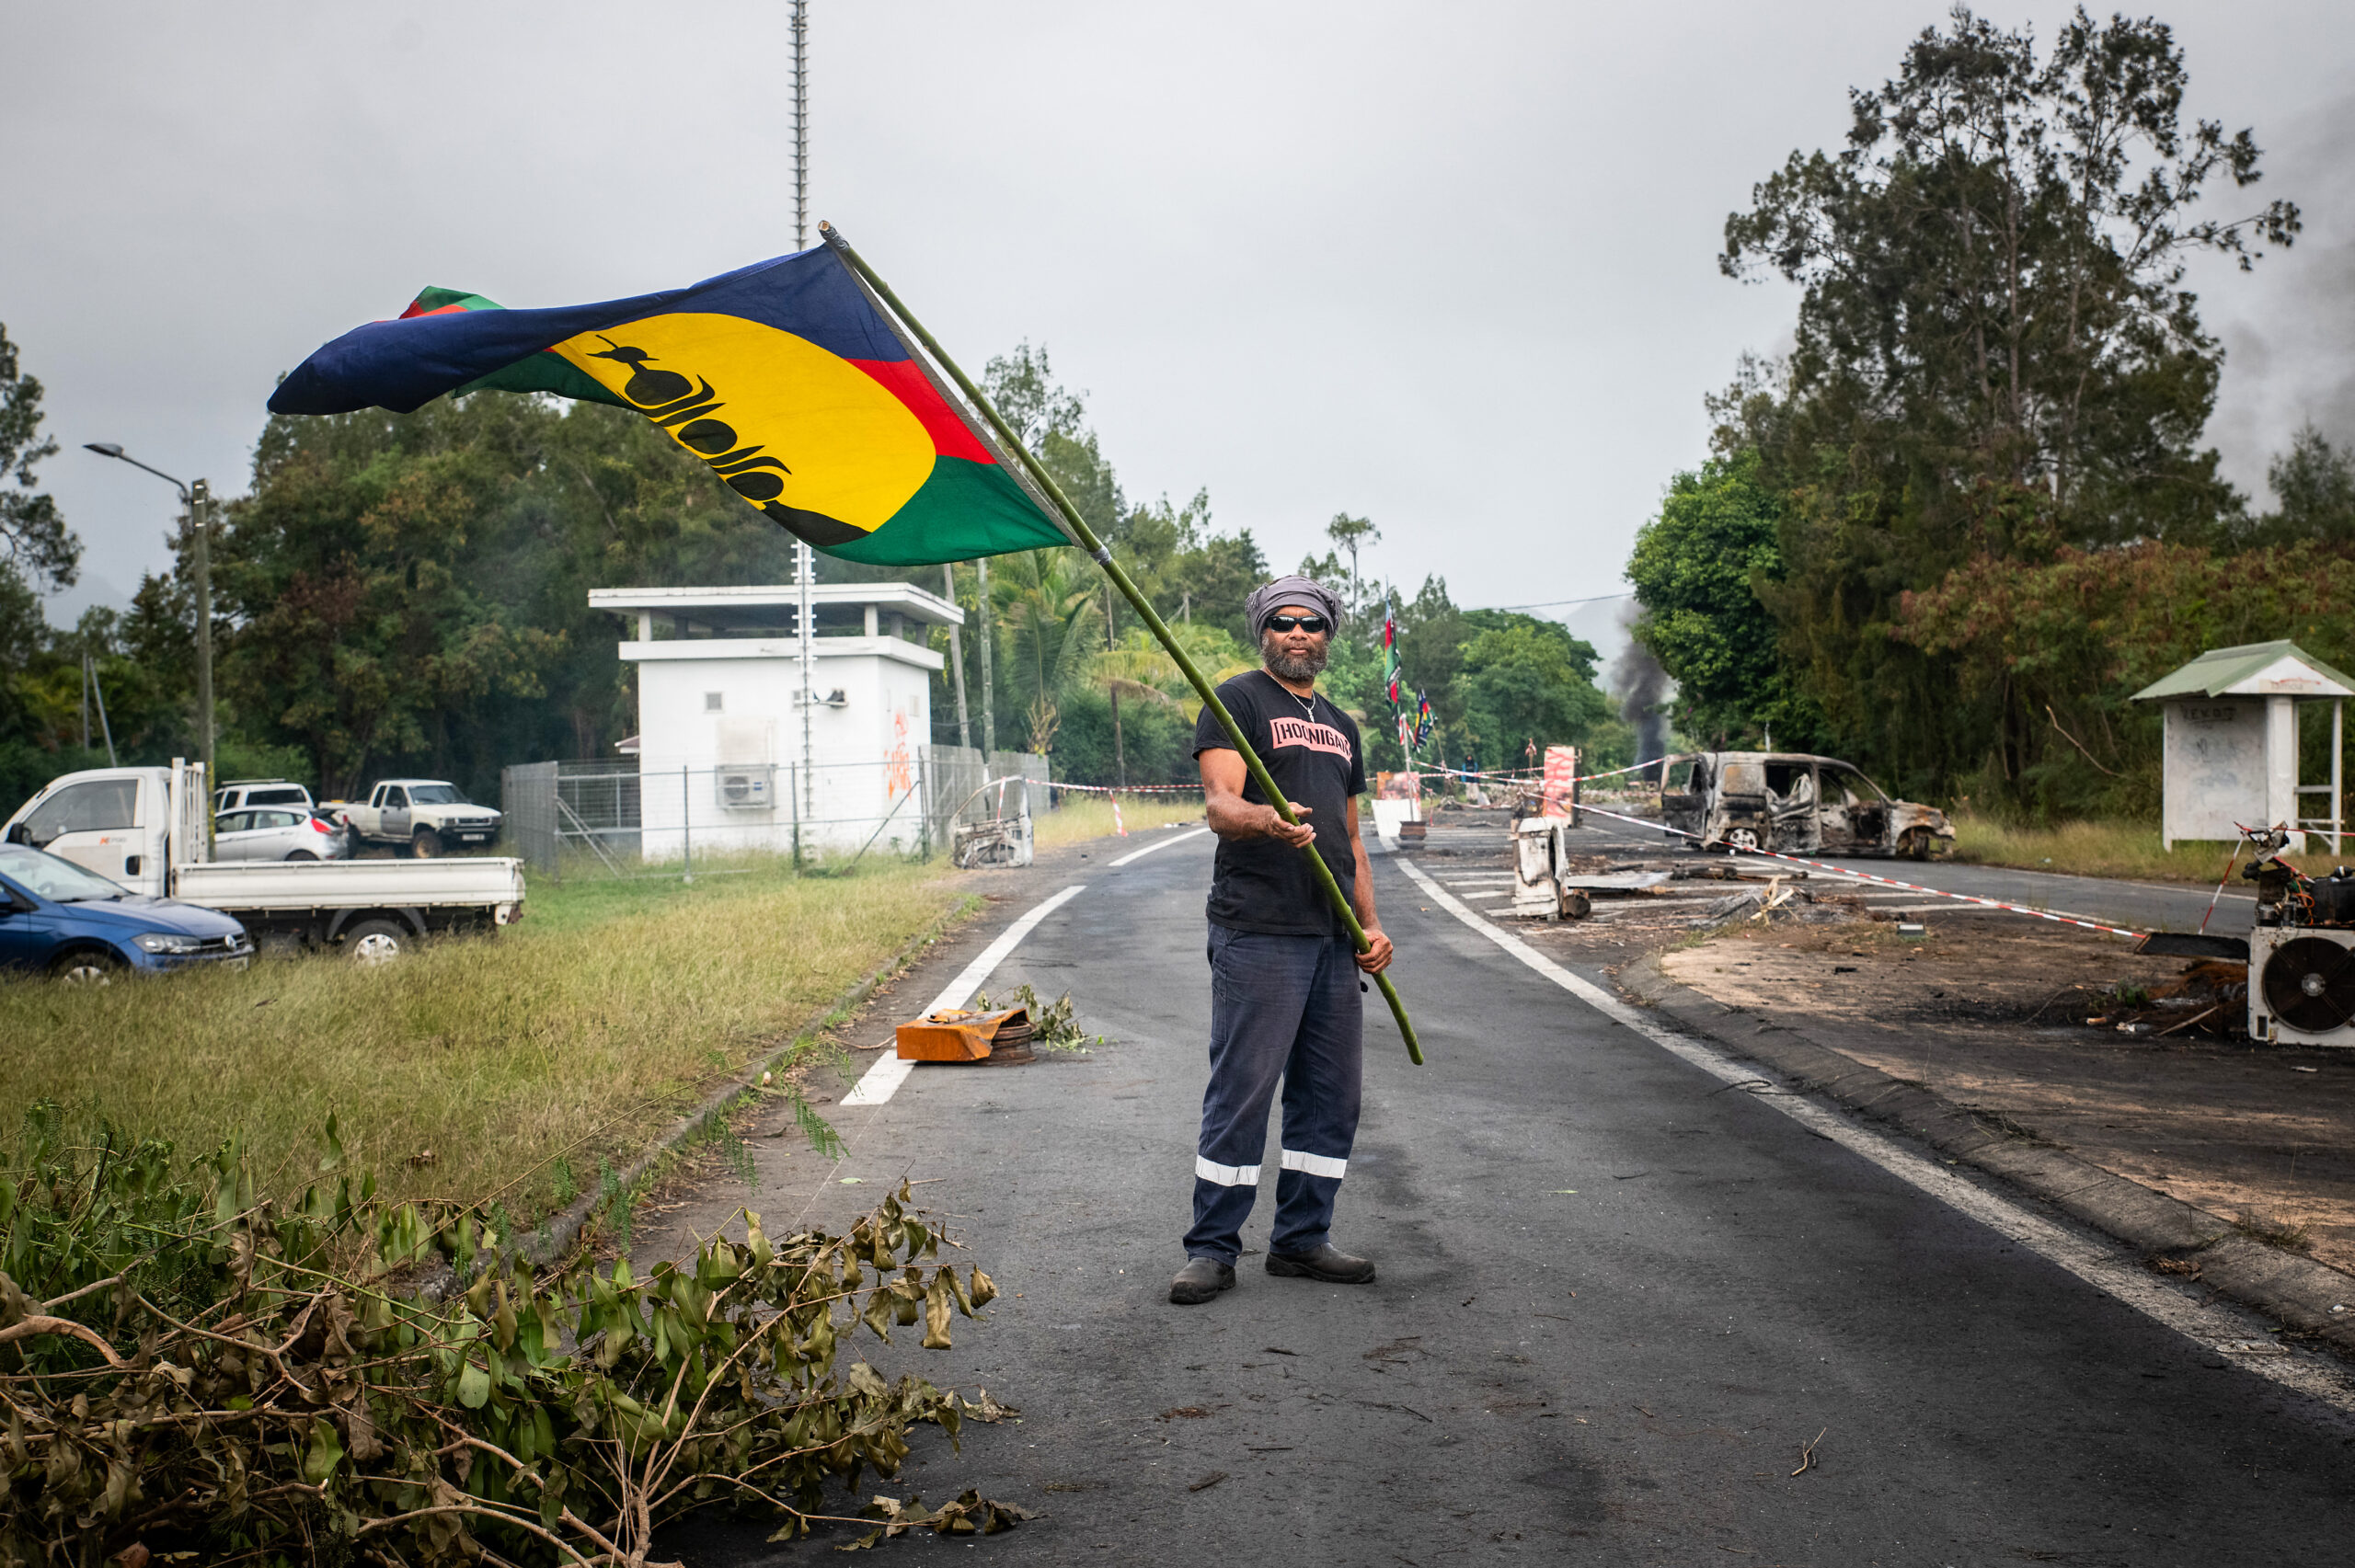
(1796, 803)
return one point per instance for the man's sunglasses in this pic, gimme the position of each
(1310, 623)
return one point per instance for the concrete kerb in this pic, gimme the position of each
(554, 1236)
(2296, 1289)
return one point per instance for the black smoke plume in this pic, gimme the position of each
(1644, 691)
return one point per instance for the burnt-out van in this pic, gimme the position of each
(1796, 803)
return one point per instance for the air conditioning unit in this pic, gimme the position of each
(748, 786)
(2302, 984)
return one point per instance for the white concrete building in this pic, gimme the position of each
(2229, 754)
(721, 749)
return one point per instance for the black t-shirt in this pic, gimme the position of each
(1312, 751)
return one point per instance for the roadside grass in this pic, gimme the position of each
(1090, 816)
(2090, 848)
(476, 1069)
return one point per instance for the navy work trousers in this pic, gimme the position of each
(1288, 1008)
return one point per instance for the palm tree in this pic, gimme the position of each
(1045, 606)
(1139, 668)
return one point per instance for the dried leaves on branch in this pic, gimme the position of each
(188, 1369)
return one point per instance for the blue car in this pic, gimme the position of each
(57, 919)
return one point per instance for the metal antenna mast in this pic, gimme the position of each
(805, 562)
(800, 124)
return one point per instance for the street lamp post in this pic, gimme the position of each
(198, 498)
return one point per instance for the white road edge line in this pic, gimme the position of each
(1158, 844)
(883, 1080)
(2099, 1266)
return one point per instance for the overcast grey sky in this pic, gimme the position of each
(1450, 267)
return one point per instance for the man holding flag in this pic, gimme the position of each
(814, 395)
(1285, 997)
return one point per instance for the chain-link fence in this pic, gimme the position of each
(622, 818)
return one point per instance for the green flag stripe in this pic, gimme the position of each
(965, 510)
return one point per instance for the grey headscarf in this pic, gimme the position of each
(1267, 601)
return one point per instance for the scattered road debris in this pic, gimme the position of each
(1807, 1454)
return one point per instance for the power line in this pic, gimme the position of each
(1556, 603)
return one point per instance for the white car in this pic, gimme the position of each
(272, 832)
(238, 793)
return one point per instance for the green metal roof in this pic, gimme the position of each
(2218, 671)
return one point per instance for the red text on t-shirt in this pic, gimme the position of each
(1306, 732)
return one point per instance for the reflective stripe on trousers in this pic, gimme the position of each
(1284, 1010)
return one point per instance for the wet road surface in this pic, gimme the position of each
(1617, 1303)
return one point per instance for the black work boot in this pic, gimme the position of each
(1200, 1279)
(1327, 1263)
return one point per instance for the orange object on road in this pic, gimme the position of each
(954, 1034)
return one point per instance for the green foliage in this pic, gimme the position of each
(1189, 573)
(1350, 535)
(1156, 738)
(2071, 640)
(1047, 609)
(1496, 679)
(1697, 568)
(412, 590)
(1534, 682)
(2315, 482)
(38, 544)
(1054, 1025)
(189, 1370)
(1057, 658)
(1995, 360)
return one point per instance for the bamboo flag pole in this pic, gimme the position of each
(1144, 607)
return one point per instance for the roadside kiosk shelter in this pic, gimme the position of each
(2230, 757)
(733, 752)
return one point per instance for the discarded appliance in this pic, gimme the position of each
(957, 1033)
(1795, 802)
(1539, 859)
(2302, 951)
(2230, 751)
(1000, 839)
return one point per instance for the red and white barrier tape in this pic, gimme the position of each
(1526, 776)
(1122, 789)
(2056, 917)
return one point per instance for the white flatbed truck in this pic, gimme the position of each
(145, 829)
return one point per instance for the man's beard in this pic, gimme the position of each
(1287, 665)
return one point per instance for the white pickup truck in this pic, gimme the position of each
(144, 828)
(425, 816)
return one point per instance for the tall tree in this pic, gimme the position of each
(1048, 608)
(1995, 351)
(2314, 483)
(1354, 533)
(40, 547)
(1529, 681)
(1697, 568)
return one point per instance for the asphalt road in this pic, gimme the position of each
(1616, 1304)
(2143, 906)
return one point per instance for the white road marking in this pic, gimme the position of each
(1160, 844)
(883, 1080)
(2102, 1267)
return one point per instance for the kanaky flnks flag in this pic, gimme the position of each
(786, 377)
